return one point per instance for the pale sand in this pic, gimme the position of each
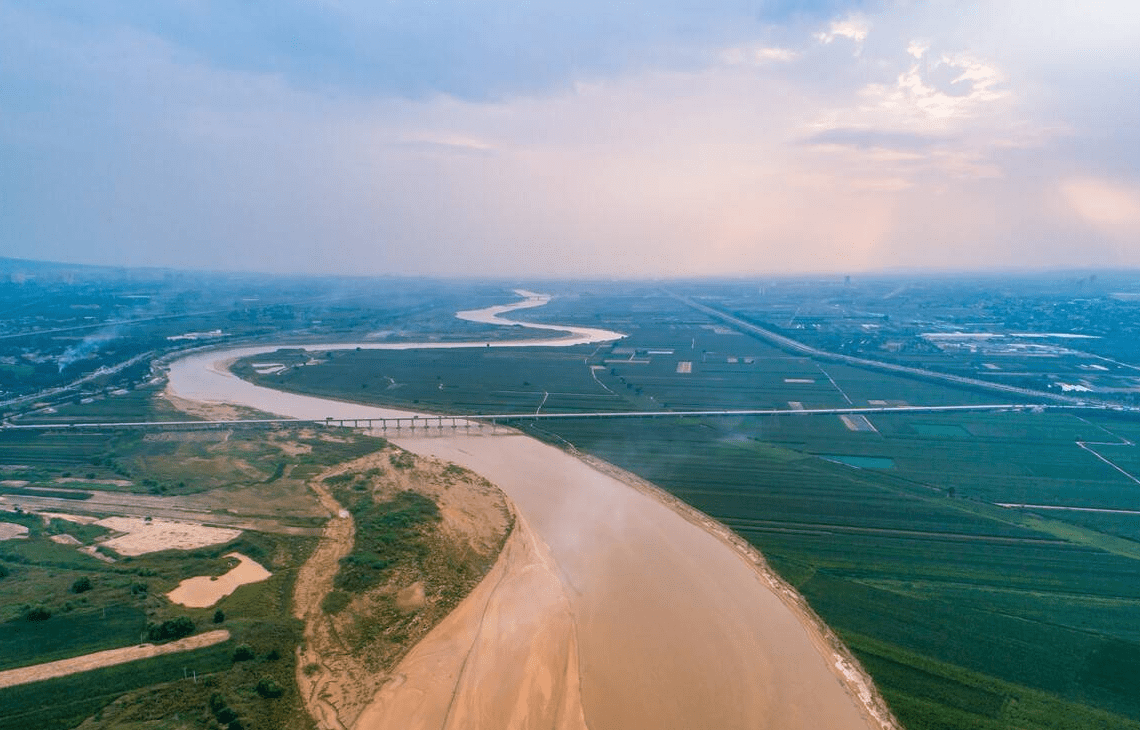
(108, 658)
(204, 591)
(150, 536)
(12, 531)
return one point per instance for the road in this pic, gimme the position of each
(787, 343)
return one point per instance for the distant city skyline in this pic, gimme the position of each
(649, 139)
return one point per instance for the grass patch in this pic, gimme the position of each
(387, 533)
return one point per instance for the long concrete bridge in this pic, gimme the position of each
(467, 422)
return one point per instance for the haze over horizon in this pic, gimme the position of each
(646, 139)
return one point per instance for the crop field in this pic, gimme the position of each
(476, 380)
(138, 404)
(968, 614)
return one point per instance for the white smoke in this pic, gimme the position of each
(88, 346)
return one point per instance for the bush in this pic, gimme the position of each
(175, 628)
(243, 653)
(225, 715)
(82, 585)
(268, 688)
(3, 570)
(36, 613)
(219, 616)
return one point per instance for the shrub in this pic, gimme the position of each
(225, 715)
(3, 570)
(174, 628)
(268, 688)
(81, 585)
(219, 616)
(243, 653)
(36, 613)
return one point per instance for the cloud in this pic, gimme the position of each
(560, 140)
(853, 27)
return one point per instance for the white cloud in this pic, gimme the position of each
(853, 27)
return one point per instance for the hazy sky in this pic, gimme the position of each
(646, 137)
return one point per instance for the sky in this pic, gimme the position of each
(635, 138)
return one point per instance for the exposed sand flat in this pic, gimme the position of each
(673, 626)
(204, 591)
(149, 536)
(506, 657)
(12, 531)
(108, 658)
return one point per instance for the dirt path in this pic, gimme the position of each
(327, 690)
(108, 658)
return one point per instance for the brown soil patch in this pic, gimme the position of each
(204, 591)
(81, 480)
(206, 411)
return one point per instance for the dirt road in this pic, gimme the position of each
(108, 658)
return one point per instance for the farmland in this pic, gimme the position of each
(968, 614)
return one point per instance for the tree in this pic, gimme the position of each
(174, 628)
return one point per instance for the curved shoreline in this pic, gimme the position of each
(671, 630)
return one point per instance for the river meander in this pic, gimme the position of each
(672, 627)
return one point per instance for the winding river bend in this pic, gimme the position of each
(609, 609)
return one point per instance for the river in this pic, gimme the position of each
(669, 626)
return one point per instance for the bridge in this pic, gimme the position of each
(444, 423)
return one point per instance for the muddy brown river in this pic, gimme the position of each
(609, 610)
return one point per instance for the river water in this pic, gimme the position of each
(674, 628)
